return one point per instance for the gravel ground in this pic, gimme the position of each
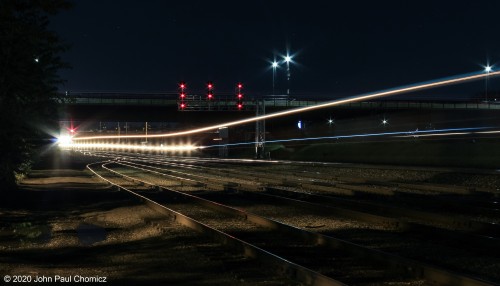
(373, 236)
(92, 230)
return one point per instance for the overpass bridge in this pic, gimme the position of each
(227, 102)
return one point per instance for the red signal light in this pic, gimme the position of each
(240, 85)
(183, 105)
(183, 95)
(240, 95)
(210, 95)
(210, 85)
(240, 106)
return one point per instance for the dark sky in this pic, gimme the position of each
(339, 47)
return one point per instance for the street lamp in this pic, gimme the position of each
(288, 59)
(487, 69)
(274, 65)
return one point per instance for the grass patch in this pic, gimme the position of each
(463, 153)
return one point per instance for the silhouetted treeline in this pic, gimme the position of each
(29, 62)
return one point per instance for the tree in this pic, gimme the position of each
(29, 64)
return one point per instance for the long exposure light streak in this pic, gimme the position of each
(417, 133)
(168, 148)
(411, 88)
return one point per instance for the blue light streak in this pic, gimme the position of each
(410, 133)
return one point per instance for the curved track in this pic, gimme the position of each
(293, 254)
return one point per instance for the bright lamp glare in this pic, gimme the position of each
(487, 68)
(275, 64)
(288, 59)
(65, 140)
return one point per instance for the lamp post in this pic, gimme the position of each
(288, 59)
(274, 65)
(487, 69)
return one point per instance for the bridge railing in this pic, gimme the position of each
(200, 103)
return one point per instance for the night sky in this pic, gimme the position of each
(339, 48)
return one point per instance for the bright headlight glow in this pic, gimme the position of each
(65, 140)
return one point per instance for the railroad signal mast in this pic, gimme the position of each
(210, 90)
(182, 95)
(239, 96)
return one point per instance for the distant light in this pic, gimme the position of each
(288, 59)
(182, 85)
(183, 105)
(240, 106)
(36, 60)
(275, 64)
(384, 121)
(240, 85)
(488, 68)
(240, 95)
(330, 121)
(183, 95)
(299, 124)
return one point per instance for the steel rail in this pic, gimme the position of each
(473, 226)
(283, 266)
(488, 244)
(410, 267)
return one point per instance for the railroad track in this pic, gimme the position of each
(477, 244)
(403, 270)
(462, 215)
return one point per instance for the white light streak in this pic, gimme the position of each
(488, 132)
(369, 96)
(175, 148)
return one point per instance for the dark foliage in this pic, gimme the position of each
(29, 62)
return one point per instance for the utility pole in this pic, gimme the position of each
(260, 129)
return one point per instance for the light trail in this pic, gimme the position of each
(438, 134)
(411, 88)
(489, 132)
(419, 133)
(168, 148)
(183, 148)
